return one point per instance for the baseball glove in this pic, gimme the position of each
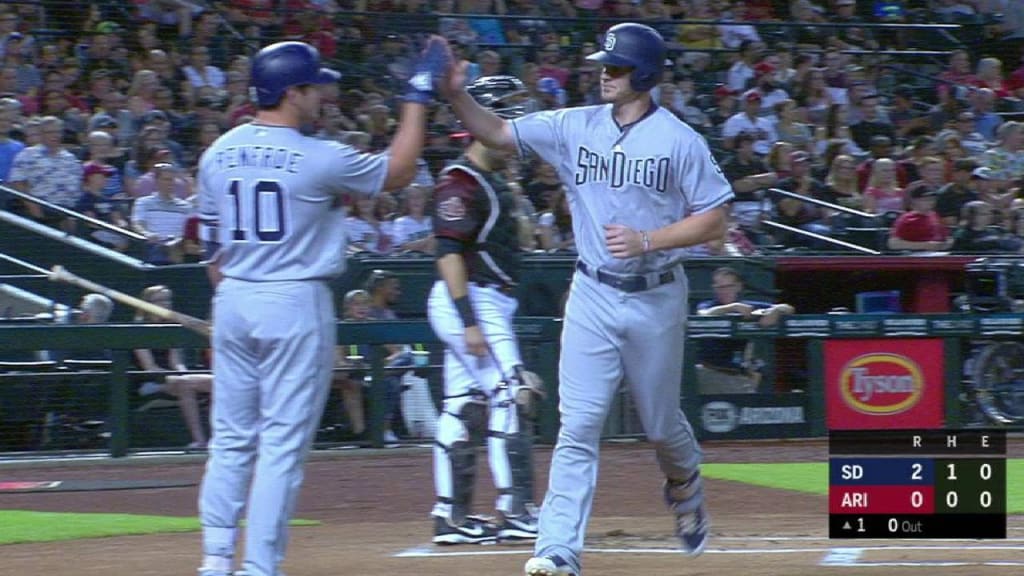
(529, 391)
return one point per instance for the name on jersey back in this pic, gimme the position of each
(255, 156)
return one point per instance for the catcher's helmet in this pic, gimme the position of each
(502, 95)
(635, 45)
(280, 66)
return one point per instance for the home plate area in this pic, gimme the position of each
(802, 551)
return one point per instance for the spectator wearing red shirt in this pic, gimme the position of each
(920, 228)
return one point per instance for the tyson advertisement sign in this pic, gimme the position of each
(877, 384)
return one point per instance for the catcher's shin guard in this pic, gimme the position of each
(458, 433)
(519, 447)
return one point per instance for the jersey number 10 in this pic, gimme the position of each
(259, 210)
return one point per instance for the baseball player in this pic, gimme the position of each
(487, 392)
(641, 185)
(275, 196)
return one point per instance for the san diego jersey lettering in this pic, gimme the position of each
(619, 170)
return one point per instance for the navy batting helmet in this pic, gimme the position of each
(637, 46)
(283, 65)
(502, 95)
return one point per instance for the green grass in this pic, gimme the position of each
(20, 526)
(812, 477)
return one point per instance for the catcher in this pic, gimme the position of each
(487, 392)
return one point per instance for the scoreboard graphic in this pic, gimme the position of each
(917, 484)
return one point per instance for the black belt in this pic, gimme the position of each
(503, 288)
(627, 282)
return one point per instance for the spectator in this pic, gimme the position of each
(157, 363)
(741, 73)
(9, 147)
(908, 121)
(976, 233)
(883, 193)
(160, 217)
(48, 172)
(152, 153)
(751, 122)
(953, 196)
(956, 80)
(871, 124)
(352, 363)
(986, 121)
(881, 147)
(366, 233)
(728, 366)
(550, 65)
(414, 230)
(841, 183)
(100, 151)
(725, 106)
(749, 180)
(990, 189)
(990, 75)
(788, 129)
(814, 97)
(698, 36)
(384, 289)
(200, 72)
(554, 226)
(1006, 159)
(803, 215)
(770, 89)
(95, 204)
(920, 227)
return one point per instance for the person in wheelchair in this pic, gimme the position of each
(728, 366)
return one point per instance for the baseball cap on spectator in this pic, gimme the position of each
(14, 37)
(923, 190)
(752, 96)
(745, 137)
(764, 68)
(108, 27)
(723, 91)
(91, 168)
(154, 116)
(983, 173)
(548, 85)
(799, 156)
(102, 120)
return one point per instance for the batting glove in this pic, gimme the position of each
(432, 63)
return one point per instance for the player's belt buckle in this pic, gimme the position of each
(627, 282)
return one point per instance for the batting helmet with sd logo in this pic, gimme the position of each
(637, 46)
(280, 66)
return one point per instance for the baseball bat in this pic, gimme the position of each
(60, 274)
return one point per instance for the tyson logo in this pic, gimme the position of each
(881, 383)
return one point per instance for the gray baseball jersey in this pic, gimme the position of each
(645, 175)
(277, 198)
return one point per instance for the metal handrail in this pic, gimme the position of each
(73, 214)
(821, 237)
(822, 203)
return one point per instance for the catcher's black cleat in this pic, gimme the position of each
(473, 530)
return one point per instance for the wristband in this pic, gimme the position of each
(646, 241)
(465, 310)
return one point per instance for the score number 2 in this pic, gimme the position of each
(258, 209)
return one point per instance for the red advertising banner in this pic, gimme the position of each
(884, 383)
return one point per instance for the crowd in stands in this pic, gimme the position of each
(105, 110)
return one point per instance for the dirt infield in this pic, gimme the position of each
(373, 506)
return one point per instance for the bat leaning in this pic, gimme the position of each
(60, 274)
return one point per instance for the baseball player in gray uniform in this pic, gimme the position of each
(275, 197)
(487, 391)
(642, 185)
